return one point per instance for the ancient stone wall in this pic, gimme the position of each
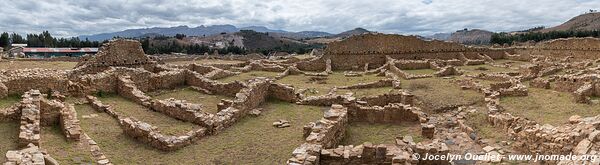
(182, 110)
(148, 134)
(215, 87)
(30, 119)
(283, 92)
(391, 113)
(330, 130)
(121, 53)
(128, 89)
(69, 122)
(21, 81)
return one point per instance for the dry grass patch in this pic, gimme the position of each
(167, 125)
(9, 134)
(248, 75)
(360, 132)
(209, 102)
(54, 141)
(420, 71)
(438, 93)
(476, 69)
(478, 121)
(15, 65)
(548, 106)
(252, 140)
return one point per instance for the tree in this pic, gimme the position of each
(4, 40)
(179, 36)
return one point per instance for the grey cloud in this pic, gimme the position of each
(77, 17)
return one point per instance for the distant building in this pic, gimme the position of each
(57, 52)
(18, 45)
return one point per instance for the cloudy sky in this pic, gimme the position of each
(78, 17)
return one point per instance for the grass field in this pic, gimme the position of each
(548, 106)
(167, 125)
(420, 71)
(209, 102)
(54, 141)
(476, 69)
(9, 101)
(9, 133)
(358, 133)
(437, 93)
(14, 65)
(248, 75)
(249, 141)
(323, 87)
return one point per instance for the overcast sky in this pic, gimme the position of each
(78, 17)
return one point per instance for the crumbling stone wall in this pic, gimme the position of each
(283, 92)
(30, 119)
(119, 52)
(21, 81)
(147, 133)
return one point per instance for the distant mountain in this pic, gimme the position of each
(200, 31)
(584, 22)
(440, 36)
(346, 34)
(471, 37)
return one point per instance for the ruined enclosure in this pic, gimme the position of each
(369, 99)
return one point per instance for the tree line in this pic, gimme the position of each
(162, 45)
(505, 38)
(44, 39)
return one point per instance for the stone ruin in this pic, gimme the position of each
(122, 68)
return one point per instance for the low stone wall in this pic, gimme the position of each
(21, 81)
(283, 92)
(182, 110)
(324, 133)
(447, 71)
(69, 123)
(32, 154)
(383, 100)
(392, 113)
(129, 90)
(214, 87)
(148, 134)
(30, 119)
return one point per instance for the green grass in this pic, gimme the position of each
(476, 69)
(478, 121)
(360, 132)
(335, 79)
(548, 106)
(248, 75)
(9, 133)
(209, 102)
(167, 125)
(438, 93)
(9, 101)
(249, 141)
(65, 152)
(367, 91)
(420, 71)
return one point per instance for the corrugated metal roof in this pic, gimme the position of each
(60, 50)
